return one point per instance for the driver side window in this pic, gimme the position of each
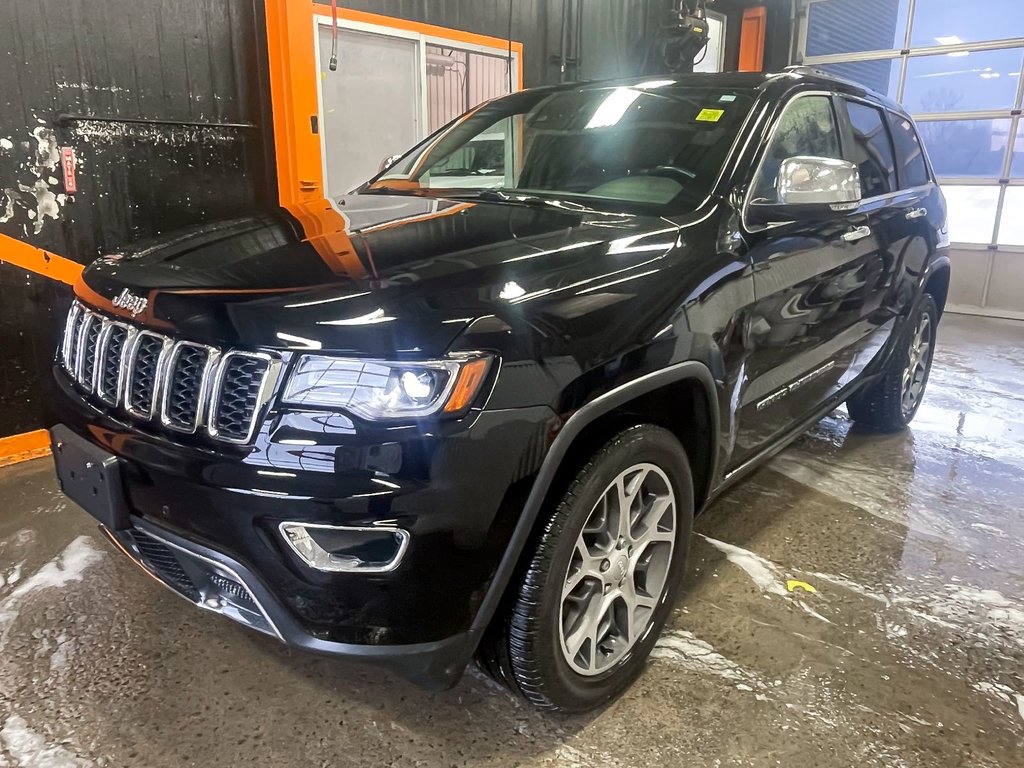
(807, 127)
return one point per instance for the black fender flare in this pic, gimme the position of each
(940, 263)
(575, 424)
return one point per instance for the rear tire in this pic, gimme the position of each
(598, 587)
(889, 404)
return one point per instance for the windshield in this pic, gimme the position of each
(655, 145)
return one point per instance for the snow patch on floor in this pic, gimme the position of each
(1002, 692)
(67, 567)
(763, 572)
(30, 750)
(683, 649)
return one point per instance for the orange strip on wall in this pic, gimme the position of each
(19, 254)
(30, 445)
(752, 32)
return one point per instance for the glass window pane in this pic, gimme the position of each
(973, 148)
(807, 127)
(872, 150)
(1011, 225)
(913, 171)
(971, 213)
(882, 76)
(958, 82)
(949, 22)
(838, 26)
(1017, 168)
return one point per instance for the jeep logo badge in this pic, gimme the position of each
(128, 300)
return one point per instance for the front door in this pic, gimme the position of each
(811, 282)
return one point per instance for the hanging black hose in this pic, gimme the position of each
(333, 65)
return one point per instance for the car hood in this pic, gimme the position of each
(368, 274)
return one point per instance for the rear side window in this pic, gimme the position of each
(807, 127)
(872, 151)
(909, 156)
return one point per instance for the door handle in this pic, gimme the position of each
(857, 233)
(917, 213)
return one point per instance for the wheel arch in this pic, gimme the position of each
(644, 397)
(936, 283)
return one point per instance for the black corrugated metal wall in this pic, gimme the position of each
(609, 29)
(167, 109)
(74, 73)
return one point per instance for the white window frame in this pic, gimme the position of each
(422, 40)
(903, 55)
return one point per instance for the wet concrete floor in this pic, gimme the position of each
(903, 647)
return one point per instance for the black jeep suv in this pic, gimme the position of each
(472, 408)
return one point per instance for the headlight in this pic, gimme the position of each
(378, 389)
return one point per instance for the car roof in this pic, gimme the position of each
(773, 83)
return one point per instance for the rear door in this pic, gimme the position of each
(811, 283)
(915, 230)
(890, 210)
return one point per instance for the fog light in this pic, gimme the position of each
(339, 548)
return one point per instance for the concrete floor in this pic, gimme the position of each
(907, 651)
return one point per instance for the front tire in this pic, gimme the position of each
(890, 403)
(600, 584)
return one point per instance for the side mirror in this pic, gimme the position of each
(387, 162)
(810, 188)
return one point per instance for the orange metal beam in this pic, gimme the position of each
(20, 254)
(29, 445)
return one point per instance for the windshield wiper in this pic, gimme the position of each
(513, 198)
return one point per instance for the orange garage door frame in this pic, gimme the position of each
(294, 89)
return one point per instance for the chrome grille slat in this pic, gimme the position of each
(145, 369)
(189, 368)
(81, 340)
(68, 343)
(177, 384)
(244, 381)
(110, 357)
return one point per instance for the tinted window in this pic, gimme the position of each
(807, 127)
(872, 150)
(908, 152)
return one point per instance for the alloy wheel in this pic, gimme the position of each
(618, 570)
(915, 373)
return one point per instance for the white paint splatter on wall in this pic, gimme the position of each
(37, 198)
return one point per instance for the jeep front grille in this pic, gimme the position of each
(185, 385)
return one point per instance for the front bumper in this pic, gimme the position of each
(214, 582)
(456, 489)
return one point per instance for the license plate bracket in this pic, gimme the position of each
(90, 477)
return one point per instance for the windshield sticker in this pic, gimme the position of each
(709, 115)
(727, 97)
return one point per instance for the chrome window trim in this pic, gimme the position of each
(204, 394)
(270, 378)
(864, 201)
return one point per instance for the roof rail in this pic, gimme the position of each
(803, 69)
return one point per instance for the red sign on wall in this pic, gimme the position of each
(67, 164)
